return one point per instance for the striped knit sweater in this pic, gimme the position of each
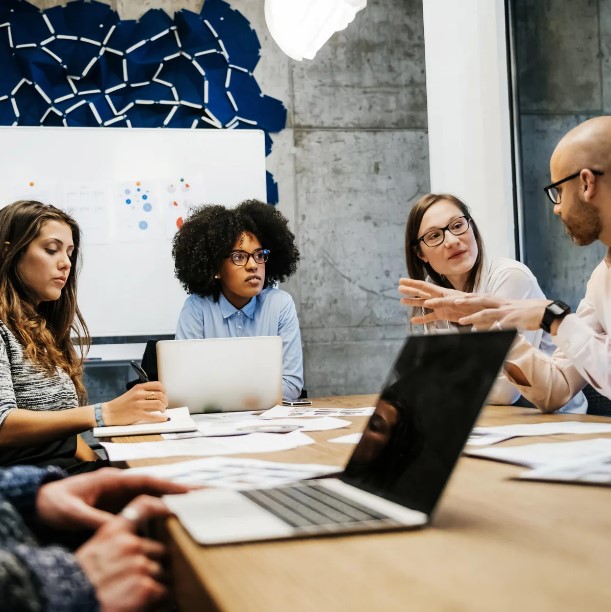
(24, 385)
(35, 577)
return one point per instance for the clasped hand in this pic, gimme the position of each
(125, 569)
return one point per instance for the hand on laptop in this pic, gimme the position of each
(145, 402)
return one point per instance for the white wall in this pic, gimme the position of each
(468, 112)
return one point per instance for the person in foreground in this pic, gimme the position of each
(445, 255)
(41, 385)
(228, 259)
(114, 569)
(580, 170)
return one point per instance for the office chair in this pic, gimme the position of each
(148, 363)
(597, 404)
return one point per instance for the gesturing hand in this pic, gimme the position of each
(484, 311)
(418, 294)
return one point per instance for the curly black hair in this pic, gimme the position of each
(209, 234)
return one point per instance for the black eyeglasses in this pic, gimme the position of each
(240, 258)
(435, 237)
(554, 195)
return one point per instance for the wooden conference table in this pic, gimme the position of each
(495, 544)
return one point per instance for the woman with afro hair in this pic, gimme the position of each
(228, 260)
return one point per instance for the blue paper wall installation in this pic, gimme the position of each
(80, 65)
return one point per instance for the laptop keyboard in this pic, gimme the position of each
(311, 507)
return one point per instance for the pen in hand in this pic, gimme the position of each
(141, 373)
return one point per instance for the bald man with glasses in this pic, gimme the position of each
(580, 169)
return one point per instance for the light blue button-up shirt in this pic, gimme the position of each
(271, 313)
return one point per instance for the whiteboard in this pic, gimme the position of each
(127, 188)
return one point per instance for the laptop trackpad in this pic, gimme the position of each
(220, 516)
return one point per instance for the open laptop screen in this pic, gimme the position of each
(425, 413)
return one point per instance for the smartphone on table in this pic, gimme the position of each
(297, 402)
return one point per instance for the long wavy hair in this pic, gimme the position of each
(46, 329)
(419, 269)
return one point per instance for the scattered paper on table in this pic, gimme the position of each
(492, 435)
(225, 417)
(205, 447)
(591, 471)
(348, 439)
(316, 424)
(283, 412)
(230, 473)
(250, 426)
(542, 455)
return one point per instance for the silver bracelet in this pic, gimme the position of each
(99, 419)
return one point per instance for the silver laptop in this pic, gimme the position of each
(222, 374)
(397, 471)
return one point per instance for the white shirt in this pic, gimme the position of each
(584, 349)
(271, 313)
(511, 279)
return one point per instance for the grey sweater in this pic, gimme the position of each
(24, 385)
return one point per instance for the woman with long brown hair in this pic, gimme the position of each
(41, 387)
(444, 253)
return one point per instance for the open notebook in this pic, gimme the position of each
(179, 420)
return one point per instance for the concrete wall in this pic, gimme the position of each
(353, 157)
(564, 77)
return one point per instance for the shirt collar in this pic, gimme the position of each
(228, 309)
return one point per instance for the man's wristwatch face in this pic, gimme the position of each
(553, 311)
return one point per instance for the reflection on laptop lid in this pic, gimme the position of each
(398, 470)
(424, 416)
(222, 374)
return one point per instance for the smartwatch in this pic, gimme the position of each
(554, 311)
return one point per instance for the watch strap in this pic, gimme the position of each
(553, 311)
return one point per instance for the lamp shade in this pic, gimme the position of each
(301, 27)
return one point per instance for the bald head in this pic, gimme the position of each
(586, 146)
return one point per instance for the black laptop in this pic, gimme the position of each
(398, 470)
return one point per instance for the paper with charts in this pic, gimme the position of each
(291, 412)
(230, 473)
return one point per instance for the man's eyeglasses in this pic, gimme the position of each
(240, 258)
(435, 237)
(554, 195)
